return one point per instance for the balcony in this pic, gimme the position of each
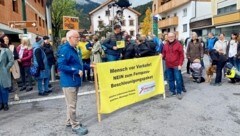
(171, 5)
(226, 18)
(173, 21)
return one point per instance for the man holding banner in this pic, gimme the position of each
(174, 57)
(113, 49)
(71, 71)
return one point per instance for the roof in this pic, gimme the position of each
(106, 3)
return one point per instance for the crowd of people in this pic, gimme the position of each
(77, 52)
(16, 67)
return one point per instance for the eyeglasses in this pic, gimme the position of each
(76, 37)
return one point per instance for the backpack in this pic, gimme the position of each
(34, 69)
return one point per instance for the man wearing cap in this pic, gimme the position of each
(113, 53)
(47, 48)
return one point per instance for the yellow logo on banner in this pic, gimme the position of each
(122, 83)
(121, 44)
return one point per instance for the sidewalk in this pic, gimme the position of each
(57, 91)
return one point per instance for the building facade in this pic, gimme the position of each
(226, 16)
(11, 10)
(176, 15)
(105, 13)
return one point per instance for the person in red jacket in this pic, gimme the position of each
(25, 53)
(174, 57)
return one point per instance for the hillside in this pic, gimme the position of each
(142, 9)
(84, 9)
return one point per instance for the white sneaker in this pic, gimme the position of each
(16, 98)
(165, 82)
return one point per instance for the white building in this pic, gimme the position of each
(104, 15)
(176, 15)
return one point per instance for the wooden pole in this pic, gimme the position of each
(161, 71)
(97, 91)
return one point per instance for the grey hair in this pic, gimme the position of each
(70, 33)
(194, 33)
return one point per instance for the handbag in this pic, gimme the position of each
(34, 71)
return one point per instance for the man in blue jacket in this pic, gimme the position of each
(70, 68)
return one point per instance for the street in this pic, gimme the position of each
(204, 111)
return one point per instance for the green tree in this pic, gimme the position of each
(61, 8)
(147, 22)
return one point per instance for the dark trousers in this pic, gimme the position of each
(220, 65)
(25, 72)
(86, 66)
(188, 66)
(4, 94)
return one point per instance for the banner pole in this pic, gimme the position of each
(97, 91)
(161, 71)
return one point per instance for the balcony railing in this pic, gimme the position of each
(173, 21)
(171, 5)
(227, 18)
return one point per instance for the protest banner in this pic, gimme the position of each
(122, 83)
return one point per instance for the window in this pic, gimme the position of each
(15, 5)
(132, 33)
(174, 29)
(154, 7)
(107, 13)
(185, 28)
(227, 9)
(38, 1)
(124, 23)
(100, 23)
(40, 21)
(36, 17)
(175, 14)
(42, 3)
(2, 2)
(43, 23)
(185, 12)
(131, 22)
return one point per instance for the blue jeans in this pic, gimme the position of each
(43, 85)
(174, 74)
(233, 61)
(112, 57)
(4, 94)
(238, 64)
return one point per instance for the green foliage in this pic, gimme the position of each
(61, 8)
(142, 9)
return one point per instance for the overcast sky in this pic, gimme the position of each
(134, 2)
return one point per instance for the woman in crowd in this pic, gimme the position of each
(15, 70)
(195, 48)
(221, 47)
(129, 51)
(6, 62)
(232, 49)
(25, 53)
(96, 50)
(40, 60)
